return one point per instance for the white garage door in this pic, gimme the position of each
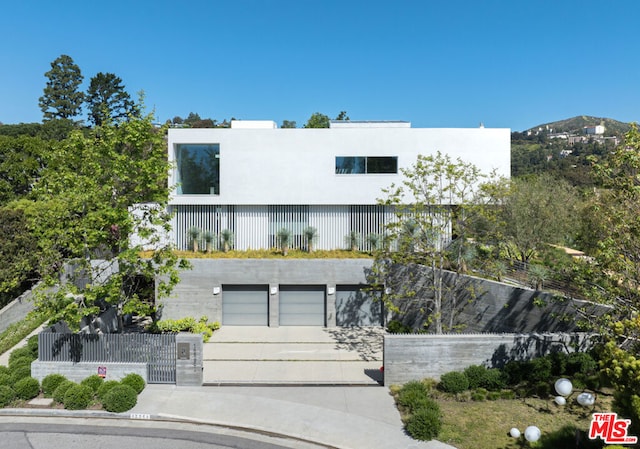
(302, 305)
(245, 305)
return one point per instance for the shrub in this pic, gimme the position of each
(94, 382)
(539, 370)
(135, 381)
(105, 387)
(20, 362)
(20, 353)
(27, 388)
(20, 372)
(32, 345)
(479, 395)
(5, 379)
(4, 370)
(515, 372)
(543, 389)
(476, 375)
(397, 327)
(50, 383)
(494, 395)
(494, 380)
(581, 362)
(453, 382)
(77, 397)
(507, 394)
(424, 424)
(6, 395)
(415, 395)
(61, 389)
(119, 399)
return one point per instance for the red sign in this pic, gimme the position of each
(102, 371)
(610, 429)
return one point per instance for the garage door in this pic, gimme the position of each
(355, 307)
(245, 305)
(302, 305)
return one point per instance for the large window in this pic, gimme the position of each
(198, 169)
(350, 165)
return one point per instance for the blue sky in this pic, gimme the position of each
(449, 63)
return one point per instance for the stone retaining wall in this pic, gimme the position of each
(79, 371)
(410, 357)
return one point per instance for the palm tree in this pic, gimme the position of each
(208, 238)
(283, 239)
(194, 235)
(310, 234)
(226, 239)
(353, 240)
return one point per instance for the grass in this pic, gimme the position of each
(17, 331)
(486, 424)
(271, 254)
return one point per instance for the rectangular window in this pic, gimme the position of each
(198, 169)
(349, 165)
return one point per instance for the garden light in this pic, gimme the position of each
(563, 387)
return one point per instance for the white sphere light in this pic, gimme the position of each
(586, 399)
(515, 433)
(563, 387)
(532, 433)
(560, 400)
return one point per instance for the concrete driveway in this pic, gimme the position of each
(300, 355)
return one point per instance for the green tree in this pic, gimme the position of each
(107, 99)
(83, 208)
(317, 120)
(615, 223)
(61, 98)
(22, 160)
(343, 116)
(435, 207)
(288, 124)
(537, 211)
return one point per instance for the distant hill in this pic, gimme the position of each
(575, 125)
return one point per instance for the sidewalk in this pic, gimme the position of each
(337, 417)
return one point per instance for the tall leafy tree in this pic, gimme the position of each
(614, 233)
(82, 209)
(62, 98)
(107, 99)
(435, 205)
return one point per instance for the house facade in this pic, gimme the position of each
(254, 179)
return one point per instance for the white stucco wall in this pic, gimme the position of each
(297, 166)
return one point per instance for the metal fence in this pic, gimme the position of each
(158, 351)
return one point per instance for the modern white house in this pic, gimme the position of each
(254, 179)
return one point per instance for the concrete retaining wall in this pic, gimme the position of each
(189, 360)
(417, 356)
(79, 371)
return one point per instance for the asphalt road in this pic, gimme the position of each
(30, 435)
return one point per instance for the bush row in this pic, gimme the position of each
(16, 383)
(187, 324)
(424, 418)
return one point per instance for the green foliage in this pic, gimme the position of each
(107, 100)
(7, 394)
(540, 370)
(94, 382)
(17, 331)
(415, 395)
(20, 372)
(453, 382)
(105, 387)
(424, 424)
(24, 352)
(135, 381)
(317, 120)
(397, 327)
(581, 362)
(96, 191)
(5, 379)
(119, 399)
(20, 362)
(61, 98)
(61, 389)
(283, 240)
(27, 388)
(186, 324)
(32, 344)
(77, 397)
(481, 377)
(50, 383)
